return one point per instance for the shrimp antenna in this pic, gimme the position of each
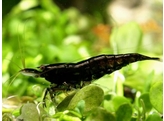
(13, 77)
(14, 63)
(21, 49)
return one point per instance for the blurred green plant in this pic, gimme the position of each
(44, 35)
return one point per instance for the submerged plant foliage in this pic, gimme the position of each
(42, 33)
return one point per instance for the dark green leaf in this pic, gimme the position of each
(124, 112)
(146, 101)
(92, 95)
(64, 104)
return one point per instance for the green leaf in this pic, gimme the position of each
(31, 112)
(68, 118)
(92, 95)
(156, 96)
(80, 106)
(124, 112)
(154, 117)
(146, 100)
(130, 34)
(100, 114)
(64, 104)
(118, 101)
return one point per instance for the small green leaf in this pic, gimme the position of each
(146, 100)
(124, 112)
(92, 95)
(31, 112)
(100, 114)
(64, 104)
(118, 100)
(156, 96)
(80, 106)
(68, 118)
(154, 117)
